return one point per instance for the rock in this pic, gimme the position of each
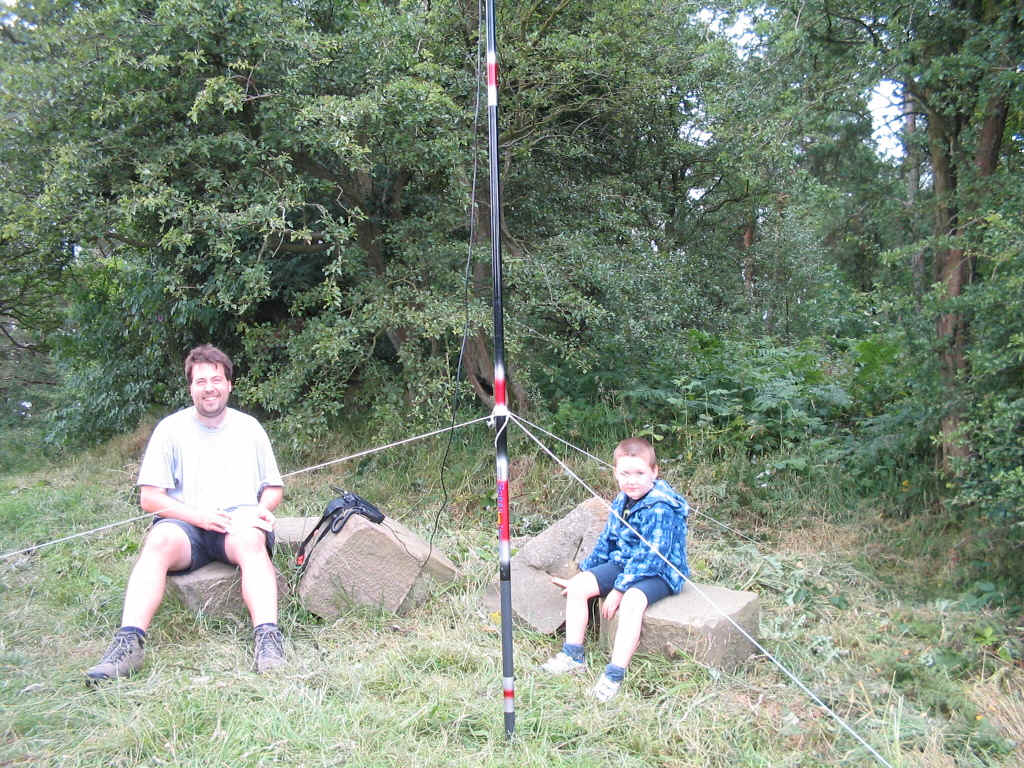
(384, 565)
(692, 624)
(536, 602)
(555, 551)
(558, 548)
(290, 532)
(215, 590)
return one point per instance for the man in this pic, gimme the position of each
(210, 477)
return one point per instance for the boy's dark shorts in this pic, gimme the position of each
(654, 587)
(207, 546)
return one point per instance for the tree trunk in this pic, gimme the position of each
(955, 266)
(746, 246)
(986, 157)
(912, 164)
(950, 271)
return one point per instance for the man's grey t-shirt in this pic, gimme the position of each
(204, 467)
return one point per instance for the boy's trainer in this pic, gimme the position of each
(605, 688)
(123, 657)
(269, 650)
(563, 664)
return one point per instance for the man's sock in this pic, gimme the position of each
(574, 652)
(614, 673)
(135, 631)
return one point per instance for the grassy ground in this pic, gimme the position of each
(854, 603)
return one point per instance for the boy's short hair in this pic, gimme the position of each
(207, 353)
(635, 446)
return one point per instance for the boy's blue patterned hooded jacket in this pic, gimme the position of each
(660, 517)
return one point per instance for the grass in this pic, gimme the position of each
(929, 675)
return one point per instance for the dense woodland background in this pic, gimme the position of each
(703, 240)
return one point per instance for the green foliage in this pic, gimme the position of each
(118, 354)
(229, 158)
(886, 442)
(891, 237)
(996, 424)
(27, 378)
(753, 396)
(21, 449)
(990, 484)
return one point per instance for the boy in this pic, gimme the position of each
(623, 569)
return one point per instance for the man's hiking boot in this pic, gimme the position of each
(123, 657)
(269, 651)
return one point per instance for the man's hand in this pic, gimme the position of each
(256, 516)
(265, 519)
(611, 603)
(214, 520)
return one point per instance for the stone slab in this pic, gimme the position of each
(290, 532)
(384, 565)
(536, 602)
(559, 547)
(555, 551)
(694, 623)
(215, 590)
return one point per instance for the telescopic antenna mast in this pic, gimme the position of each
(500, 384)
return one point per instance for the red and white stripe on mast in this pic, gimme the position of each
(492, 79)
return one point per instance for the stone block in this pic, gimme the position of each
(536, 602)
(290, 532)
(559, 547)
(384, 565)
(694, 623)
(555, 551)
(215, 590)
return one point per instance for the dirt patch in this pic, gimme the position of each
(819, 538)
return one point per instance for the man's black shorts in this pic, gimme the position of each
(207, 546)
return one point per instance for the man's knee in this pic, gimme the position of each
(167, 544)
(247, 545)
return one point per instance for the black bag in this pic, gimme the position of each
(336, 514)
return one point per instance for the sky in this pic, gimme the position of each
(886, 111)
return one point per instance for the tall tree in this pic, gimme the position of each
(957, 60)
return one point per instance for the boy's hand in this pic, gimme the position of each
(560, 582)
(611, 603)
